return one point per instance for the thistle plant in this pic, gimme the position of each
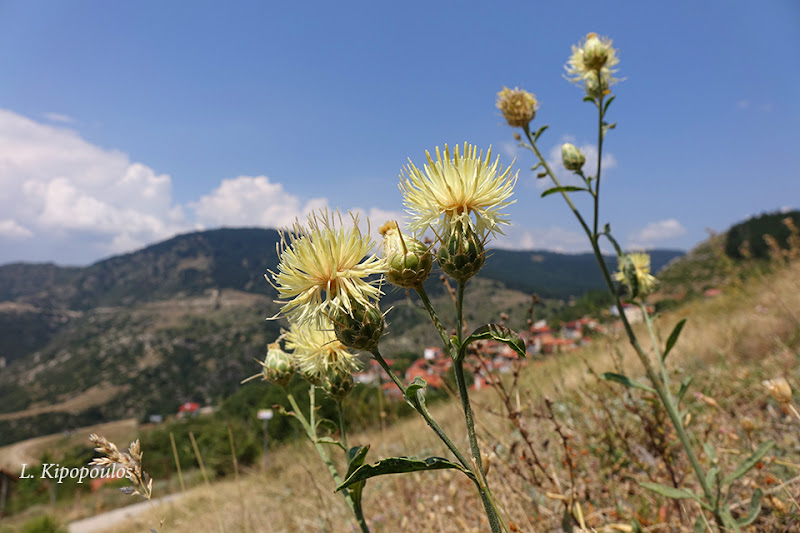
(592, 66)
(329, 281)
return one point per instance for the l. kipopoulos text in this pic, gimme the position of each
(60, 473)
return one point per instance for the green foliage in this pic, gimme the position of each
(753, 230)
(592, 303)
(43, 524)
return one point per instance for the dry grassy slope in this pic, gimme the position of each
(747, 334)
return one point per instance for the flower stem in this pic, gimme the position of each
(342, 429)
(308, 426)
(487, 498)
(661, 389)
(423, 295)
(421, 409)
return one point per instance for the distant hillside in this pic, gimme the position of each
(184, 320)
(556, 275)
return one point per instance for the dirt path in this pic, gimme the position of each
(105, 521)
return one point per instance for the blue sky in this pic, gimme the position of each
(122, 124)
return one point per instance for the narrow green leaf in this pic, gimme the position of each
(537, 165)
(712, 478)
(673, 337)
(711, 453)
(334, 442)
(539, 132)
(541, 175)
(494, 332)
(399, 465)
(684, 387)
(588, 99)
(415, 392)
(607, 233)
(628, 382)
(728, 520)
(608, 103)
(355, 458)
(565, 188)
(750, 462)
(329, 427)
(755, 509)
(670, 492)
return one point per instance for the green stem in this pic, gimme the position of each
(600, 117)
(657, 383)
(340, 408)
(308, 426)
(487, 498)
(417, 405)
(423, 295)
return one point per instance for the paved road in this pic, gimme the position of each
(103, 522)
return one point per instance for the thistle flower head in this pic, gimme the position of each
(277, 366)
(592, 64)
(324, 266)
(634, 272)
(408, 261)
(453, 188)
(317, 351)
(571, 157)
(518, 106)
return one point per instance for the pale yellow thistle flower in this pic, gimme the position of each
(518, 106)
(592, 64)
(325, 266)
(317, 352)
(454, 187)
(643, 282)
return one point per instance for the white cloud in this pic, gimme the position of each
(60, 188)
(251, 201)
(10, 229)
(655, 232)
(63, 193)
(743, 104)
(59, 117)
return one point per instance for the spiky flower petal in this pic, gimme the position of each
(592, 64)
(324, 266)
(454, 187)
(317, 352)
(518, 106)
(634, 272)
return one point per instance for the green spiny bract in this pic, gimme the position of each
(360, 328)
(461, 254)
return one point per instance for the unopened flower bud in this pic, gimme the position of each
(338, 385)
(572, 158)
(780, 389)
(596, 52)
(360, 328)
(409, 261)
(462, 253)
(518, 106)
(277, 366)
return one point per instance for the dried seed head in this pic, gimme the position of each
(518, 106)
(780, 389)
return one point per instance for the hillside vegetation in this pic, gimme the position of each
(593, 435)
(183, 320)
